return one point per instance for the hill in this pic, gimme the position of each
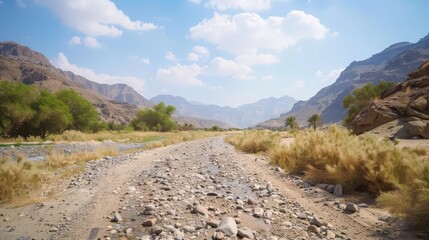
(242, 117)
(392, 64)
(21, 64)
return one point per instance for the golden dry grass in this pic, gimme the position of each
(255, 141)
(399, 176)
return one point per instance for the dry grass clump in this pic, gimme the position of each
(17, 177)
(358, 162)
(362, 163)
(255, 141)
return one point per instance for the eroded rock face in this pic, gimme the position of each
(407, 101)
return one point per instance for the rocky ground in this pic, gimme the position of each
(196, 190)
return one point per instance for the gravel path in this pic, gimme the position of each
(202, 189)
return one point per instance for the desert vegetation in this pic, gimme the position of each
(362, 97)
(360, 163)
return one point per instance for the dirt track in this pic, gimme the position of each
(184, 191)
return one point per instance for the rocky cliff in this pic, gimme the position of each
(392, 64)
(407, 102)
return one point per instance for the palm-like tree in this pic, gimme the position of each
(291, 122)
(315, 120)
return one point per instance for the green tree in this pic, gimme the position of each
(16, 106)
(52, 115)
(85, 118)
(314, 121)
(156, 119)
(362, 97)
(291, 123)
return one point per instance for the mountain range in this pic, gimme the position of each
(119, 102)
(242, 117)
(392, 64)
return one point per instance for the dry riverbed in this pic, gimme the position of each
(202, 189)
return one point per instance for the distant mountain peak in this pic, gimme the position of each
(15, 50)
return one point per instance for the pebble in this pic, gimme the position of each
(228, 226)
(351, 207)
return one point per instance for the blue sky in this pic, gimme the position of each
(225, 52)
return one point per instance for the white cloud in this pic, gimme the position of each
(181, 75)
(94, 17)
(198, 52)
(170, 57)
(331, 76)
(91, 42)
(74, 41)
(1, 2)
(195, 1)
(257, 59)
(225, 68)
(247, 33)
(247, 5)
(62, 62)
(140, 60)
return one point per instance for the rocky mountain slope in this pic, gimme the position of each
(392, 64)
(407, 102)
(119, 92)
(21, 64)
(242, 117)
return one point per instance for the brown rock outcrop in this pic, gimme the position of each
(407, 101)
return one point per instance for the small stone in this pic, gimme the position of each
(188, 229)
(287, 224)
(228, 226)
(117, 217)
(258, 212)
(330, 234)
(212, 223)
(316, 221)
(132, 189)
(330, 188)
(149, 222)
(313, 229)
(338, 190)
(245, 233)
(218, 236)
(198, 209)
(351, 207)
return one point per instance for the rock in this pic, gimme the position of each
(245, 232)
(117, 217)
(418, 128)
(198, 209)
(258, 212)
(316, 221)
(228, 226)
(149, 222)
(330, 234)
(178, 235)
(132, 189)
(188, 229)
(338, 190)
(313, 229)
(330, 188)
(218, 236)
(212, 223)
(351, 207)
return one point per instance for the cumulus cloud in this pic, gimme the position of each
(228, 68)
(331, 76)
(140, 60)
(198, 52)
(94, 17)
(170, 57)
(74, 41)
(247, 5)
(181, 75)
(91, 42)
(62, 62)
(247, 33)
